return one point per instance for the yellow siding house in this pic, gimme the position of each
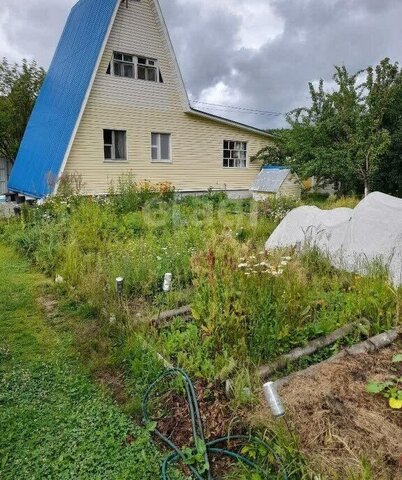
(135, 116)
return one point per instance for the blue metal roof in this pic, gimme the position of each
(273, 167)
(58, 106)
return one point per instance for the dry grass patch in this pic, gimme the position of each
(345, 433)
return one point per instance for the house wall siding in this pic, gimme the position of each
(291, 187)
(141, 107)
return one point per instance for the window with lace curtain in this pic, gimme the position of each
(115, 144)
(161, 148)
(134, 66)
(234, 154)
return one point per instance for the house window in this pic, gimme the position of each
(234, 154)
(146, 69)
(123, 65)
(132, 66)
(115, 144)
(161, 147)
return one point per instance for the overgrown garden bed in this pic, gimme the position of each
(248, 307)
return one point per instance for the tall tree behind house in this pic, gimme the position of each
(19, 88)
(350, 134)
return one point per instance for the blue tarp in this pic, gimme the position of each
(57, 109)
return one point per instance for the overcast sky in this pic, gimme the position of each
(257, 54)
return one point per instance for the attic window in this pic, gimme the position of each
(146, 69)
(234, 154)
(132, 66)
(115, 144)
(123, 65)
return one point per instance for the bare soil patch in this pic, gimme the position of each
(216, 415)
(340, 424)
(49, 304)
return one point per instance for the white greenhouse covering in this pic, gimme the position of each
(354, 239)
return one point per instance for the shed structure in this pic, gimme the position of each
(4, 173)
(276, 181)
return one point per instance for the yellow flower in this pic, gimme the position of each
(395, 404)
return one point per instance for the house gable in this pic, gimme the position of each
(61, 101)
(138, 30)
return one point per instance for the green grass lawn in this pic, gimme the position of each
(55, 424)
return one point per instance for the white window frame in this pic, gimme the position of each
(239, 167)
(148, 65)
(123, 62)
(113, 146)
(159, 148)
(154, 65)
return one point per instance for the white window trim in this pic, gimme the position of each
(159, 159)
(113, 145)
(135, 66)
(247, 155)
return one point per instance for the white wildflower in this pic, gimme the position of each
(242, 265)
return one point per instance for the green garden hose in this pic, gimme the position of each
(214, 447)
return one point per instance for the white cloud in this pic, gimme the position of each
(31, 29)
(258, 21)
(220, 94)
(7, 48)
(260, 25)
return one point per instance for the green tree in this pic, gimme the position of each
(389, 175)
(272, 154)
(343, 136)
(19, 88)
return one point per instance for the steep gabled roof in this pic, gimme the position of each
(62, 99)
(270, 179)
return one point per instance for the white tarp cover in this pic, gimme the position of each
(353, 238)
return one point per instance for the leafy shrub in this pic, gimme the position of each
(277, 208)
(130, 195)
(183, 345)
